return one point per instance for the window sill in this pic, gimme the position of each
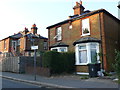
(85, 34)
(82, 64)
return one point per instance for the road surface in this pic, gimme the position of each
(6, 83)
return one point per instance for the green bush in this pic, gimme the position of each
(117, 64)
(59, 62)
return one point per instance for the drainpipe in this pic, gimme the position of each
(101, 42)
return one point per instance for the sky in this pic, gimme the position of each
(15, 15)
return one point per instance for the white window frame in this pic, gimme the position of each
(58, 49)
(88, 48)
(45, 45)
(70, 26)
(85, 24)
(80, 50)
(15, 44)
(59, 33)
(18, 42)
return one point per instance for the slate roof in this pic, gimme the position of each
(41, 37)
(85, 14)
(86, 39)
(35, 36)
(19, 35)
(16, 36)
(59, 44)
(31, 35)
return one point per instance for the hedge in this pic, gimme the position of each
(117, 64)
(59, 62)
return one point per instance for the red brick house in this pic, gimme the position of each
(87, 33)
(20, 43)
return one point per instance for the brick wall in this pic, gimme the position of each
(71, 35)
(112, 36)
(3, 47)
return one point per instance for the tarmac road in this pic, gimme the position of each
(6, 83)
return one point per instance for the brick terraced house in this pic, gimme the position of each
(92, 35)
(20, 43)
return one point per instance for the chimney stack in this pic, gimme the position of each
(78, 8)
(34, 29)
(25, 31)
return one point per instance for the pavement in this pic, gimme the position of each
(66, 81)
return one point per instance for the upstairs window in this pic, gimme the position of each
(14, 45)
(45, 45)
(85, 27)
(5, 44)
(18, 42)
(70, 26)
(59, 34)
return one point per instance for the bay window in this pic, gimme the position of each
(60, 49)
(86, 53)
(82, 54)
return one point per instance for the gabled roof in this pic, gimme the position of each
(86, 39)
(85, 14)
(15, 36)
(31, 35)
(19, 35)
(59, 44)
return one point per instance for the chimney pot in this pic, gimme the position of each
(80, 2)
(78, 8)
(34, 25)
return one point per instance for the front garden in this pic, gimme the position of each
(59, 62)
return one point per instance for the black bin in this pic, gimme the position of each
(93, 69)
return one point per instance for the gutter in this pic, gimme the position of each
(82, 16)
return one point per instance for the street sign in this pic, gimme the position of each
(34, 47)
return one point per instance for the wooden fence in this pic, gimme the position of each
(23, 64)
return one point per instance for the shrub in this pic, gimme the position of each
(117, 64)
(59, 62)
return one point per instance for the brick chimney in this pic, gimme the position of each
(34, 29)
(78, 8)
(25, 31)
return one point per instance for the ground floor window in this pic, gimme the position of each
(86, 53)
(60, 49)
(82, 54)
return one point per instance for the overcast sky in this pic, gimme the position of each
(17, 14)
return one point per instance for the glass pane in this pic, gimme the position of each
(59, 33)
(93, 56)
(83, 56)
(85, 26)
(93, 45)
(54, 50)
(62, 49)
(82, 47)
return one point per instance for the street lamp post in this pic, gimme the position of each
(33, 47)
(34, 64)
